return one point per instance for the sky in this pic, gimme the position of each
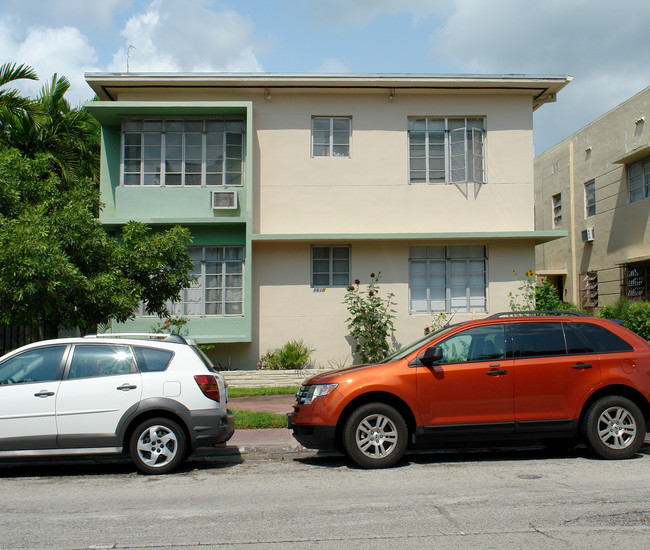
(604, 45)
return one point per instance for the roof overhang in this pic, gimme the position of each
(542, 88)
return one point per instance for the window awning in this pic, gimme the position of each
(632, 156)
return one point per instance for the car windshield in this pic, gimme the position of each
(403, 352)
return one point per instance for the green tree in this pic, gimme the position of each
(70, 136)
(11, 102)
(58, 266)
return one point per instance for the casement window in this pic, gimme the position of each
(330, 266)
(446, 150)
(557, 210)
(447, 278)
(330, 136)
(635, 281)
(590, 198)
(638, 177)
(219, 285)
(188, 153)
(589, 289)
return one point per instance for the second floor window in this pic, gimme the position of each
(330, 136)
(446, 150)
(590, 198)
(188, 153)
(638, 176)
(557, 210)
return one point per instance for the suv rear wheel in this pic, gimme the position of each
(614, 428)
(158, 446)
(375, 436)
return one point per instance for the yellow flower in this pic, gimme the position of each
(530, 273)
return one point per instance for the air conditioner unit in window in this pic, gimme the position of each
(224, 200)
(588, 235)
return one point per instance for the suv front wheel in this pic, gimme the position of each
(375, 436)
(614, 428)
(158, 446)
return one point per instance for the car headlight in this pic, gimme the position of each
(306, 394)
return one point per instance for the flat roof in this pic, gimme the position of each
(542, 88)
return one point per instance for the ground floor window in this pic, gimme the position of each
(330, 266)
(218, 288)
(589, 289)
(447, 278)
(635, 281)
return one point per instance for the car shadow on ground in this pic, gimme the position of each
(482, 454)
(202, 459)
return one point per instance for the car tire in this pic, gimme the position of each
(158, 446)
(614, 428)
(375, 436)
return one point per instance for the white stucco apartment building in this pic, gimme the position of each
(296, 185)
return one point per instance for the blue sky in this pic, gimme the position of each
(605, 46)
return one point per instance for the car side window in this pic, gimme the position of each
(484, 343)
(152, 360)
(540, 339)
(37, 365)
(602, 340)
(574, 343)
(100, 360)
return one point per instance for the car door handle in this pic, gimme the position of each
(496, 372)
(44, 393)
(126, 387)
(582, 366)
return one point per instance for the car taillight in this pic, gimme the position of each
(209, 386)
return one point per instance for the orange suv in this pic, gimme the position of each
(559, 379)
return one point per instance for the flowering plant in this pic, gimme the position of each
(172, 325)
(439, 320)
(371, 319)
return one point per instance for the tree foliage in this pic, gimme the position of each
(59, 267)
(11, 102)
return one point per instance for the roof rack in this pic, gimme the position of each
(173, 338)
(534, 314)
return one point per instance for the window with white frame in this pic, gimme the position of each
(186, 152)
(446, 150)
(219, 285)
(447, 278)
(330, 266)
(330, 136)
(557, 210)
(590, 198)
(638, 176)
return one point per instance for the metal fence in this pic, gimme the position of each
(14, 336)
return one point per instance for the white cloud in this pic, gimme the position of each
(65, 51)
(173, 36)
(359, 12)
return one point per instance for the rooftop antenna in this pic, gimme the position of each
(128, 56)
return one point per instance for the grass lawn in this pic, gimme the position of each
(255, 420)
(247, 392)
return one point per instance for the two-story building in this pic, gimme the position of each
(295, 185)
(596, 184)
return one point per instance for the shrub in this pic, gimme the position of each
(618, 310)
(371, 319)
(537, 293)
(292, 356)
(638, 319)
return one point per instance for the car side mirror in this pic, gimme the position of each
(431, 356)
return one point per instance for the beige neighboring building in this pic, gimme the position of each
(296, 185)
(596, 185)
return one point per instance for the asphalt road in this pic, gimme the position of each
(525, 498)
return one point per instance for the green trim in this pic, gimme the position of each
(170, 222)
(538, 236)
(110, 113)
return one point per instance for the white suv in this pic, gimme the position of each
(156, 397)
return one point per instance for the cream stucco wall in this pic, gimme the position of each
(621, 229)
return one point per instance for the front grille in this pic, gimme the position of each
(301, 394)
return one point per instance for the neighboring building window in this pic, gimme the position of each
(638, 175)
(635, 281)
(446, 150)
(447, 278)
(589, 289)
(330, 266)
(330, 136)
(219, 285)
(176, 153)
(590, 198)
(557, 210)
